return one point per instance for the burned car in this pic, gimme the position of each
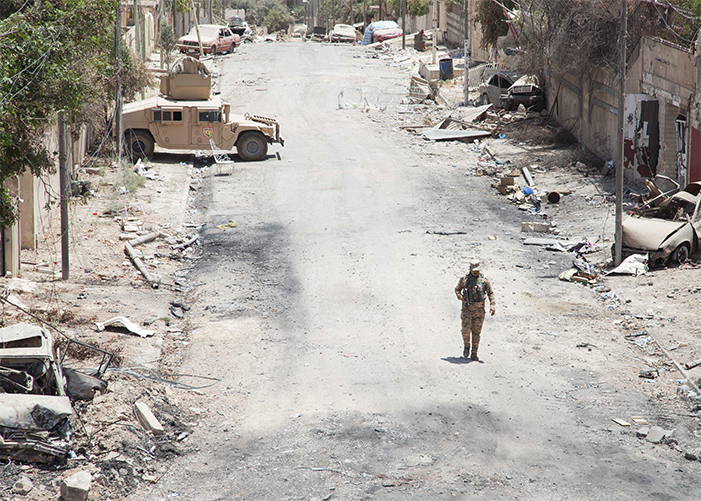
(494, 86)
(215, 38)
(527, 92)
(670, 232)
(35, 409)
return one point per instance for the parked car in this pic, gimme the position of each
(493, 87)
(525, 91)
(672, 235)
(342, 33)
(215, 38)
(379, 31)
(382, 33)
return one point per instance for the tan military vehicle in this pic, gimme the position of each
(184, 117)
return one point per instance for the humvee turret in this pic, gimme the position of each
(184, 117)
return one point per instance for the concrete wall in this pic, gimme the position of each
(659, 71)
(455, 29)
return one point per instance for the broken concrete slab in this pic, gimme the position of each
(147, 420)
(530, 226)
(656, 435)
(125, 323)
(76, 487)
(549, 241)
(642, 432)
(454, 135)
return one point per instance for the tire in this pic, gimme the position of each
(138, 144)
(485, 99)
(232, 47)
(213, 50)
(252, 146)
(680, 254)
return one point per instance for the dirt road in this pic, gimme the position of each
(329, 315)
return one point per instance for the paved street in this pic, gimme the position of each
(329, 315)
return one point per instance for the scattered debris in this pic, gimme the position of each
(633, 265)
(639, 420)
(230, 224)
(621, 422)
(125, 323)
(691, 365)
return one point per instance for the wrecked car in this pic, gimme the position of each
(342, 33)
(493, 87)
(215, 38)
(35, 410)
(185, 117)
(527, 92)
(379, 31)
(672, 235)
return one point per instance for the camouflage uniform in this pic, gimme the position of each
(473, 313)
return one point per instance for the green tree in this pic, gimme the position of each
(54, 55)
(490, 17)
(416, 8)
(167, 43)
(276, 19)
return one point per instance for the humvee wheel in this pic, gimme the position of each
(138, 144)
(252, 146)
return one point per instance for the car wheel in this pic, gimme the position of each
(680, 254)
(138, 144)
(485, 99)
(232, 47)
(213, 50)
(252, 146)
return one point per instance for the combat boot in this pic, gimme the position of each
(474, 356)
(466, 352)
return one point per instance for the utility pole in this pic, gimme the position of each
(137, 28)
(623, 44)
(197, 28)
(161, 23)
(403, 24)
(467, 53)
(210, 13)
(118, 86)
(435, 31)
(65, 186)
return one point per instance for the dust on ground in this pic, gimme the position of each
(649, 312)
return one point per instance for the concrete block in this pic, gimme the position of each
(642, 432)
(76, 487)
(528, 226)
(147, 419)
(656, 435)
(23, 486)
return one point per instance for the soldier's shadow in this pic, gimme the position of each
(457, 360)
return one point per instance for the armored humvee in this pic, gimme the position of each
(184, 117)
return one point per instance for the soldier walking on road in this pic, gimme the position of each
(472, 290)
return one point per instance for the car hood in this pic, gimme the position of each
(192, 37)
(648, 233)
